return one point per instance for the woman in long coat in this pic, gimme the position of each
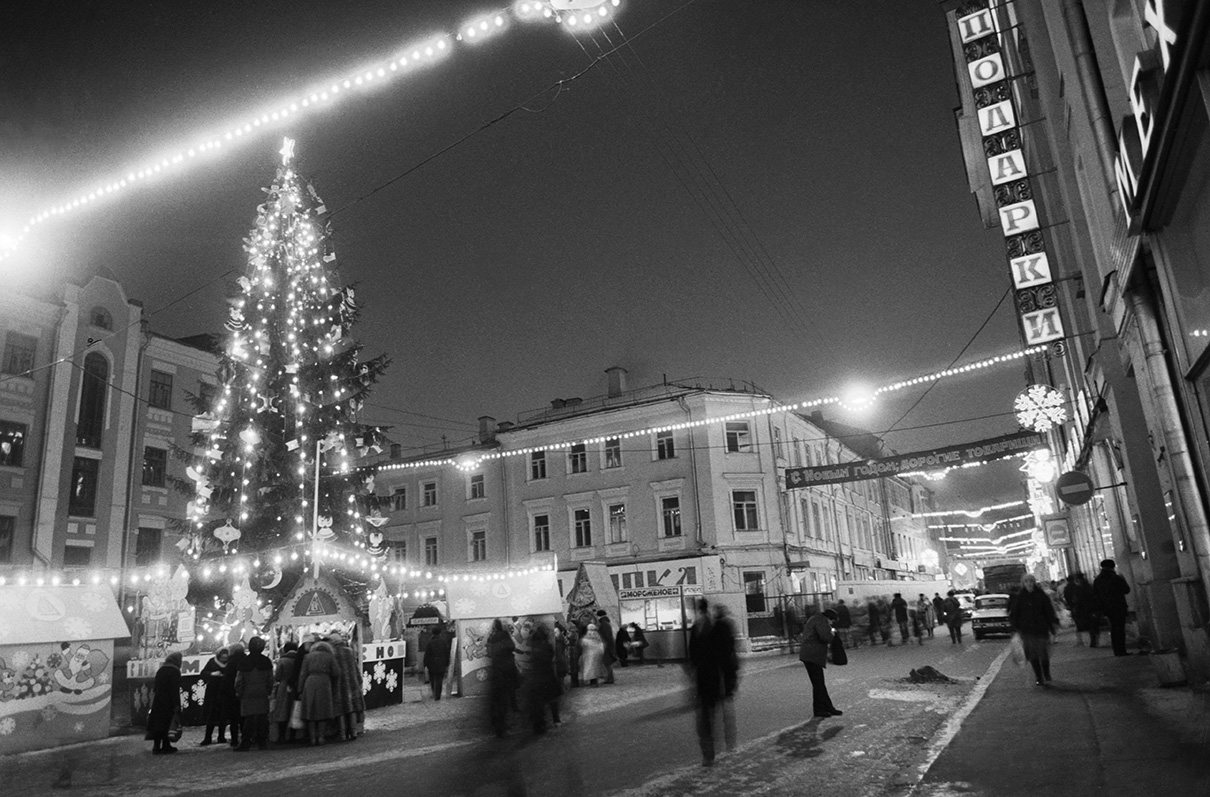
(283, 691)
(504, 679)
(543, 686)
(230, 699)
(317, 680)
(348, 701)
(573, 653)
(437, 660)
(212, 699)
(816, 637)
(1033, 617)
(165, 703)
(592, 657)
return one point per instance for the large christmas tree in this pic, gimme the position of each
(279, 439)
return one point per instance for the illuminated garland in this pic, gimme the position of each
(470, 462)
(971, 513)
(574, 15)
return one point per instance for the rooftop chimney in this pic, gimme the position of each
(617, 380)
(557, 404)
(486, 433)
(504, 426)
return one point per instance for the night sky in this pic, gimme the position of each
(769, 192)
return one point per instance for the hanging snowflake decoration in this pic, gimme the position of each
(1040, 407)
(392, 681)
(367, 682)
(380, 671)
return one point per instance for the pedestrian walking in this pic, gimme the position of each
(542, 685)
(573, 653)
(1081, 601)
(844, 622)
(348, 701)
(165, 704)
(562, 663)
(502, 694)
(925, 610)
(437, 660)
(938, 608)
(900, 608)
(318, 681)
(605, 628)
(621, 645)
(638, 643)
(916, 623)
(813, 653)
(1111, 591)
(723, 636)
(1032, 616)
(212, 697)
(709, 659)
(592, 657)
(953, 617)
(873, 617)
(228, 697)
(254, 685)
(283, 691)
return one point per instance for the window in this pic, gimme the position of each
(77, 556)
(617, 523)
(613, 453)
(738, 437)
(665, 448)
(100, 317)
(429, 491)
(754, 591)
(817, 523)
(744, 504)
(583, 528)
(399, 499)
(777, 448)
(804, 529)
(397, 551)
(541, 532)
(479, 546)
(147, 547)
(430, 550)
(477, 489)
(91, 422)
(8, 529)
(161, 390)
(537, 465)
(797, 453)
(577, 459)
(12, 444)
(670, 514)
(19, 353)
(82, 501)
(155, 466)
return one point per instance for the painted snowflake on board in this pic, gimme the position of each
(77, 628)
(380, 671)
(392, 681)
(199, 693)
(465, 606)
(367, 681)
(78, 727)
(93, 601)
(7, 726)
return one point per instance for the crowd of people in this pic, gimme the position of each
(311, 693)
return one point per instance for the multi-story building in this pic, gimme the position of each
(1114, 131)
(669, 486)
(91, 404)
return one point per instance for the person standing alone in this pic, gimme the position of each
(813, 653)
(900, 608)
(437, 660)
(1111, 591)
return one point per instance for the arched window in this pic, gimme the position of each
(92, 401)
(100, 317)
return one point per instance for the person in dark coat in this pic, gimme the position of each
(542, 684)
(230, 699)
(212, 698)
(813, 653)
(1111, 591)
(437, 660)
(562, 663)
(348, 701)
(899, 608)
(707, 676)
(573, 654)
(283, 692)
(953, 617)
(605, 629)
(938, 608)
(873, 617)
(1032, 615)
(504, 676)
(165, 704)
(638, 643)
(621, 645)
(1081, 600)
(254, 685)
(844, 621)
(317, 680)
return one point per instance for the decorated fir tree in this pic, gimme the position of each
(291, 383)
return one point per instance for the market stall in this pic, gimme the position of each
(529, 597)
(56, 654)
(164, 622)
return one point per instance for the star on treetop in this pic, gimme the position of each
(287, 151)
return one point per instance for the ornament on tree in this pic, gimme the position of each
(250, 436)
(235, 320)
(376, 518)
(324, 532)
(376, 544)
(227, 534)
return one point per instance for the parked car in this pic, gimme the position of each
(967, 601)
(990, 615)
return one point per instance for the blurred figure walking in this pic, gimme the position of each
(1111, 591)
(542, 683)
(437, 660)
(504, 676)
(1032, 615)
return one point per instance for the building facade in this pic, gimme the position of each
(1114, 99)
(91, 405)
(670, 487)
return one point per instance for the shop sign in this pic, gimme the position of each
(381, 651)
(650, 593)
(1137, 131)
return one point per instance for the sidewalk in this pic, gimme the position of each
(1102, 727)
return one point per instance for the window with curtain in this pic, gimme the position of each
(90, 423)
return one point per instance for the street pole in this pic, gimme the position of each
(315, 515)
